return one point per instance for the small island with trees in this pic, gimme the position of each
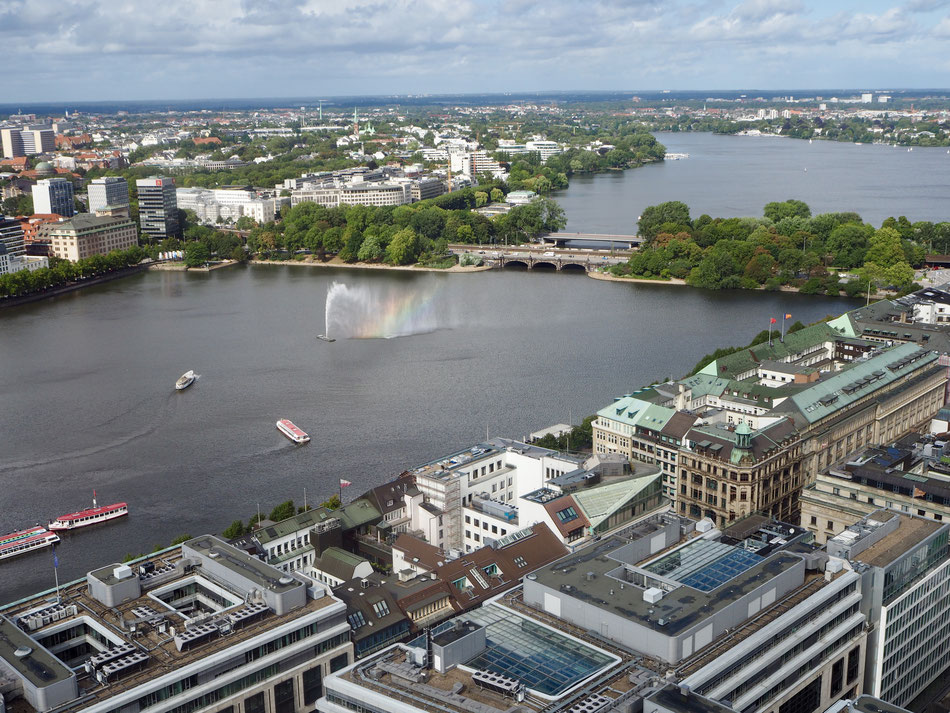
(787, 248)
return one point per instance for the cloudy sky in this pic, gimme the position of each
(68, 50)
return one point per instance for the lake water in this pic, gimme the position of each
(728, 176)
(89, 400)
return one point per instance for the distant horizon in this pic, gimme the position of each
(424, 98)
(189, 49)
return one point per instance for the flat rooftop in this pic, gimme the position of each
(104, 627)
(711, 580)
(910, 532)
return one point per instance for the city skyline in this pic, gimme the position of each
(92, 50)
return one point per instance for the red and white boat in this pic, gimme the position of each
(294, 433)
(92, 516)
(19, 543)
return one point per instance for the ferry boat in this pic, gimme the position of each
(325, 338)
(19, 543)
(92, 516)
(185, 380)
(294, 433)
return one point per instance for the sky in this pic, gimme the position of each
(90, 50)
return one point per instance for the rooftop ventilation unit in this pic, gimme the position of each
(122, 667)
(96, 662)
(247, 614)
(652, 595)
(190, 638)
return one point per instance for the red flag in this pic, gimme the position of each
(788, 316)
(772, 320)
(345, 483)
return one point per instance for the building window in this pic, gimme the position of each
(254, 704)
(854, 658)
(338, 662)
(831, 525)
(805, 701)
(381, 608)
(814, 520)
(520, 561)
(312, 684)
(567, 514)
(284, 697)
(356, 619)
(837, 677)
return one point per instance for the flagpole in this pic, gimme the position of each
(56, 573)
(784, 315)
(770, 330)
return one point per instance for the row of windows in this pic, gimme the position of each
(780, 636)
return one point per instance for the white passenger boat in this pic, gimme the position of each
(293, 432)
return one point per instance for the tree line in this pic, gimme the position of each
(406, 234)
(786, 246)
(63, 272)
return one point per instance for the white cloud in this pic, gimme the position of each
(69, 49)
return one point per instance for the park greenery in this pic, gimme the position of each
(627, 146)
(787, 246)
(889, 129)
(63, 272)
(406, 234)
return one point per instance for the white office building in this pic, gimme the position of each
(905, 565)
(108, 191)
(224, 205)
(54, 195)
(201, 627)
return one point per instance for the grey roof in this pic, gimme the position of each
(681, 609)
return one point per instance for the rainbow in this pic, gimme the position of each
(375, 312)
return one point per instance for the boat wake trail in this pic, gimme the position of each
(82, 453)
(113, 443)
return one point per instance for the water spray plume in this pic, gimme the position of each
(364, 312)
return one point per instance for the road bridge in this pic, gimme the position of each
(559, 239)
(528, 259)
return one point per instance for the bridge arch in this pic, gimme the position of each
(573, 267)
(544, 265)
(515, 265)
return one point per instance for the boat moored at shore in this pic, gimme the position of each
(23, 541)
(292, 431)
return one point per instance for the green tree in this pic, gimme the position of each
(283, 511)
(404, 248)
(235, 529)
(786, 209)
(181, 538)
(655, 216)
(497, 195)
(196, 254)
(884, 248)
(371, 249)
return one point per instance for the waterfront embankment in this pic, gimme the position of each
(337, 263)
(71, 287)
(607, 277)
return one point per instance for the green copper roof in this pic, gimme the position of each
(843, 325)
(302, 521)
(599, 504)
(863, 378)
(359, 512)
(742, 361)
(634, 411)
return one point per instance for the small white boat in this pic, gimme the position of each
(292, 431)
(325, 338)
(185, 380)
